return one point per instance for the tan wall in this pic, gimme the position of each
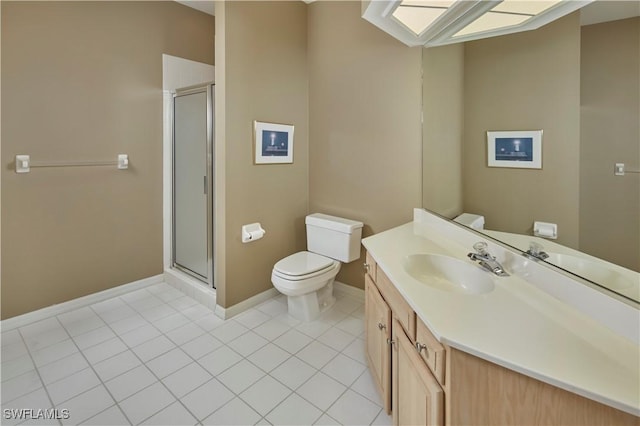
(610, 133)
(442, 131)
(83, 81)
(266, 79)
(525, 81)
(364, 128)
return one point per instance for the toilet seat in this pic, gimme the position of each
(297, 285)
(303, 265)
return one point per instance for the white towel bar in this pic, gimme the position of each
(24, 163)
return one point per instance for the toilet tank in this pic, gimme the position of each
(473, 221)
(334, 237)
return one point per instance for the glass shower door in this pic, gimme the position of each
(192, 194)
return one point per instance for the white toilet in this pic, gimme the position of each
(473, 221)
(306, 277)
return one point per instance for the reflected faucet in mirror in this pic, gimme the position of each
(536, 251)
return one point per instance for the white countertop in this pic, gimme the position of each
(517, 325)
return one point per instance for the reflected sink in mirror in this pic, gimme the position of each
(592, 271)
(448, 274)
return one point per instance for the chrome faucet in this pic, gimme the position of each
(485, 259)
(536, 251)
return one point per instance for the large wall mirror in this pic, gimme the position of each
(578, 80)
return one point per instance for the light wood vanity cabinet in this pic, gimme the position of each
(423, 382)
(409, 390)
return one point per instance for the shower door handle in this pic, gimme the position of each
(205, 185)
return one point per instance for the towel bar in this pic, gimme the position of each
(24, 164)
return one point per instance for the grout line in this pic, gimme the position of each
(100, 379)
(46, 391)
(162, 333)
(332, 324)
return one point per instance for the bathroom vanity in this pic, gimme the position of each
(450, 343)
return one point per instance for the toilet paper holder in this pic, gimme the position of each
(545, 230)
(252, 232)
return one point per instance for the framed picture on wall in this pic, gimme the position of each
(273, 143)
(519, 149)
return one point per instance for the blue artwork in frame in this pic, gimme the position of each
(273, 143)
(519, 149)
(514, 149)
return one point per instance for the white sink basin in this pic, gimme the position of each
(590, 270)
(448, 274)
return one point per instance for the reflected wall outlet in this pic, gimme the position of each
(619, 169)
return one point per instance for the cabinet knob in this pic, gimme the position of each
(420, 347)
(381, 326)
(366, 267)
(391, 342)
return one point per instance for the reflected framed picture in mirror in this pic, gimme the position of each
(517, 149)
(273, 143)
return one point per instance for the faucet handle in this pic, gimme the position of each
(481, 247)
(535, 248)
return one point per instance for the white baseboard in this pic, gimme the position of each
(348, 290)
(226, 313)
(80, 302)
(177, 279)
(193, 288)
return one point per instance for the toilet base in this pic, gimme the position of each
(308, 307)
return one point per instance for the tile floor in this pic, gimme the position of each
(156, 356)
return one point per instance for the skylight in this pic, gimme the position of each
(439, 22)
(506, 14)
(417, 15)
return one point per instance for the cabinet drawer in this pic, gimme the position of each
(398, 305)
(370, 266)
(431, 351)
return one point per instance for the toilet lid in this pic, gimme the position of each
(303, 263)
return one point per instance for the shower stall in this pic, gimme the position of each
(192, 185)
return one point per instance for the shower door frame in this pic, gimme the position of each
(209, 89)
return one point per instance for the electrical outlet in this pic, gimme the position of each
(619, 169)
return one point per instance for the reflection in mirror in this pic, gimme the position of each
(579, 84)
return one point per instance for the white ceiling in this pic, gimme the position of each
(598, 11)
(206, 6)
(608, 10)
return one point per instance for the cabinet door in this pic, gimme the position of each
(377, 329)
(418, 399)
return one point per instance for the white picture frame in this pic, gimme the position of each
(273, 143)
(516, 149)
